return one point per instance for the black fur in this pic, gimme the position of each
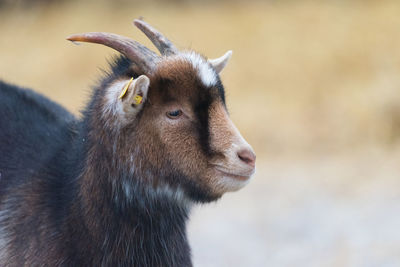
(48, 216)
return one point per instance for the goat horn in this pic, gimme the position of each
(143, 57)
(165, 46)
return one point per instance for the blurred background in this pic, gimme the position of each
(314, 86)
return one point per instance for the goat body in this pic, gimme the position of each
(115, 187)
(43, 216)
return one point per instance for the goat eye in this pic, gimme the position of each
(174, 114)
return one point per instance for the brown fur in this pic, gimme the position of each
(136, 180)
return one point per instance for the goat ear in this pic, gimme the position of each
(220, 63)
(134, 95)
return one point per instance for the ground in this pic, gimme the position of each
(334, 210)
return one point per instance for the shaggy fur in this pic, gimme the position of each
(90, 193)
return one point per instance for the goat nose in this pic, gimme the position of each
(247, 156)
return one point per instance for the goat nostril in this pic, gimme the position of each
(247, 156)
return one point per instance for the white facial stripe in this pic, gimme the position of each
(206, 73)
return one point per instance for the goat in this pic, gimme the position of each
(115, 187)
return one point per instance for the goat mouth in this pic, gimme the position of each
(232, 175)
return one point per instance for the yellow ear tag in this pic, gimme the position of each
(123, 93)
(138, 99)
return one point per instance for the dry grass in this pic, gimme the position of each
(313, 86)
